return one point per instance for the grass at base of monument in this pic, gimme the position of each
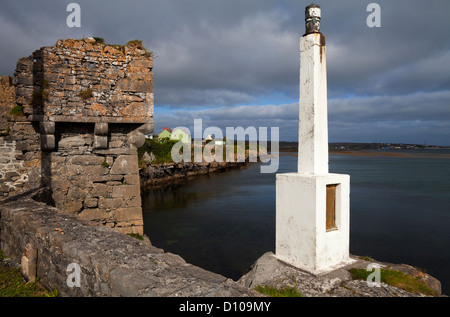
(12, 284)
(396, 278)
(274, 292)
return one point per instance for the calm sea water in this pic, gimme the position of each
(400, 213)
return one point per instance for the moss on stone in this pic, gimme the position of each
(282, 292)
(12, 284)
(395, 278)
(16, 111)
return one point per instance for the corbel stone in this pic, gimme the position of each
(100, 142)
(47, 127)
(136, 138)
(101, 128)
(146, 128)
(48, 142)
(101, 136)
(47, 131)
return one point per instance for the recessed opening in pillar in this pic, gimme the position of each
(331, 207)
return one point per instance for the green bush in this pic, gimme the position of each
(161, 151)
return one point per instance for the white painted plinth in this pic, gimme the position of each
(301, 236)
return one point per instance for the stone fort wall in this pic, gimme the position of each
(71, 120)
(47, 242)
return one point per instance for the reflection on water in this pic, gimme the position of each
(224, 222)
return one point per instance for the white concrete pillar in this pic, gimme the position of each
(312, 205)
(313, 116)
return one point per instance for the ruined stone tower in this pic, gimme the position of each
(86, 107)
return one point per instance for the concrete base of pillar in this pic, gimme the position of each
(302, 237)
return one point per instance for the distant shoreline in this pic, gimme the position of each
(377, 153)
(392, 154)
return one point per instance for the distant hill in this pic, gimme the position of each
(350, 146)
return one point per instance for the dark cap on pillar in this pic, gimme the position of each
(312, 19)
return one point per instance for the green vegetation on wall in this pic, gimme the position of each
(161, 150)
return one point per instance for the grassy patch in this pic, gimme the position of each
(136, 43)
(16, 111)
(12, 284)
(105, 164)
(136, 236)
(274, 292)
(133, 43)
(99, 39)
(396, 278)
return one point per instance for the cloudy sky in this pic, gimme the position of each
(236, 62)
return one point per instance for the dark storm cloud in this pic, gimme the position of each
(220, 55)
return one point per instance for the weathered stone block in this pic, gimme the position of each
(91, 202)
(94, 170)
(94, 214)
(132, 179)
(128, 214)
(71, 206)
(47, 127)
(125, 164)
(70, 142)
(99, 190)
(101, 128)
(48, 142)
(126, 190)
(11, 176)
(61, 184)
(100, 142)
(110, 203)
(134, 202)
(87, 160)
(77, 193)
(29, 262)
(4, 160)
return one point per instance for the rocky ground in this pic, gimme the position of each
(269, 271)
